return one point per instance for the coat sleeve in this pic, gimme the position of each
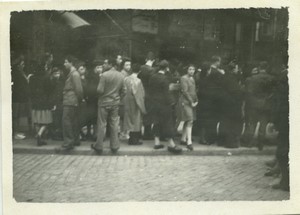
(184, 89)
(139, 95)
(123, 89)
(76, 81)
(101, 85)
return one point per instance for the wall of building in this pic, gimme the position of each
(186, 35)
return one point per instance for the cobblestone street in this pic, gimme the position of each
(64, 178)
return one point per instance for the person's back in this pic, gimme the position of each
(159, 89)
(110, 88)
(145, 75)
(259, 88)
(40, 89)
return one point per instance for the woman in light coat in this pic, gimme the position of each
(134, 106)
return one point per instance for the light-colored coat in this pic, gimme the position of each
(111, 88)
(73, 92)
(133, 103)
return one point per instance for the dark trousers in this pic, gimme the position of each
(71, 128)
(57, 123)
(110, 114)
(213, 117)
(230, 130)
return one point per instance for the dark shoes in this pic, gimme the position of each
(98, 151)
(190, 147)
(158, 146)
(260, 146)
(40, 142)
(258, 143)
(114, 151)
(175, 149)
(183, 143)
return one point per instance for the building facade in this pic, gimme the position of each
(248, 35)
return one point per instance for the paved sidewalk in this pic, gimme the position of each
(29, 146)
(53, 178)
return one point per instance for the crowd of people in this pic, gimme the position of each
(155, 100)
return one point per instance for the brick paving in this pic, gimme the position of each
(65, 178)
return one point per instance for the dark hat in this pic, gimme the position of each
(146, 68)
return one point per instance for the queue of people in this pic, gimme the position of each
(158, 100)
(155, 100)
(219, 102)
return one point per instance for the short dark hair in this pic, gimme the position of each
(136, 68)
(124, 61)
(187, 67)
(71, 59)
(205, 67)
(215, 59)
(163, 64)
(80, 64)
(55, 69)
(112, 61)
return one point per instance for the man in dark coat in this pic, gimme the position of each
(56, 99)
(214, 98)
(203, 107)
(259, 89)
(231, 122)
(145, 74)
(91, 98)
(161, 108)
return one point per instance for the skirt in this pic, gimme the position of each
(42, 116)
(186, 112)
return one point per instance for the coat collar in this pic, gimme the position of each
(73, 69)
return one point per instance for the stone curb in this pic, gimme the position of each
(151, 152)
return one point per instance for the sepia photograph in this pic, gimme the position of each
(149, 105)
